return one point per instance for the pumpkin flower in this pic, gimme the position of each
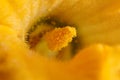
(59, 40)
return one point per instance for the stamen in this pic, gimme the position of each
(59, 37)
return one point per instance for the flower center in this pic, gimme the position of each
(52, 38)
